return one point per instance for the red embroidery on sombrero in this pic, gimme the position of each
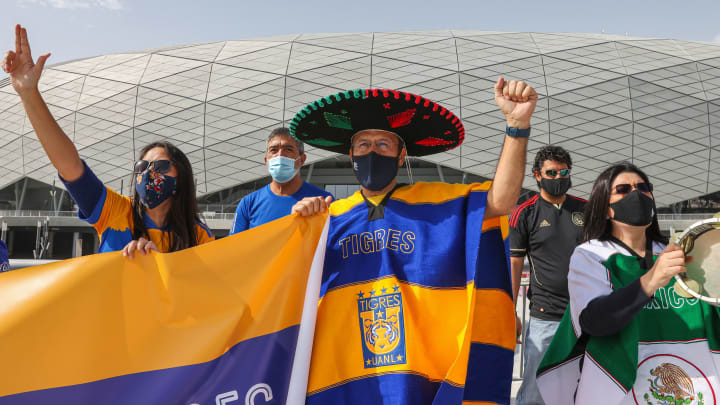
(401, 119)
(432, 141)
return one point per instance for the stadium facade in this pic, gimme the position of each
(655, 102)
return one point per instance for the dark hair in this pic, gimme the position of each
(286, 132)
(183, 214)
(551, 152)
(597, 225)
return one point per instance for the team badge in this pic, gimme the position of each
(382, 327)
(669, 379)
(577, 218)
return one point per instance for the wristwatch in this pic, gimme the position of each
(517, 132)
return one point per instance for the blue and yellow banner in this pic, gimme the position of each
(220, 323)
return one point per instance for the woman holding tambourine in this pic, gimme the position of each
(628, 336)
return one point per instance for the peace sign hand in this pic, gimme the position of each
(24, 73)
(517, 101)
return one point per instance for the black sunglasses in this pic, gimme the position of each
(627, 188)
(159, 166)
(553, 172)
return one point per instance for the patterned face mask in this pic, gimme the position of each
(154, 188)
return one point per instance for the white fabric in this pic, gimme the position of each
(588, 278)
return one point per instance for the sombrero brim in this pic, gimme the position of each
(425, 126)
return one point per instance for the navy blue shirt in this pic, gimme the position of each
(263, 206)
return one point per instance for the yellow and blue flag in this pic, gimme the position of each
(220, 323)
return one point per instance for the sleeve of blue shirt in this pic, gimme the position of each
(87, 191)
(241, 222)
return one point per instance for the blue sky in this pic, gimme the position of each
(73, 29)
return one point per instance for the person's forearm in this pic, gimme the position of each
(58, 147)
(516, 267)
(611, 313)
(505, 189)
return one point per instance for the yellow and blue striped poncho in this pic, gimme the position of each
(416, 307)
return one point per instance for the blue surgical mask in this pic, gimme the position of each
(282, 168)
(154, 188)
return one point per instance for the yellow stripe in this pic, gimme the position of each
(344, 205)
(103, 315)
(419, 193)
(437, 193)
(496, 325)
(436, 321)
(497, 222)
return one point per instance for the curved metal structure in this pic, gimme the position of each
(605, 98)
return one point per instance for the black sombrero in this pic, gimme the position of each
(330, 123)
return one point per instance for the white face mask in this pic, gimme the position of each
(282, 168)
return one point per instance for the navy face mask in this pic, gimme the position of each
(154, 188)
(374, 171)
(634, 209)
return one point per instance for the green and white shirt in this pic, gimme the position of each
(668, 354)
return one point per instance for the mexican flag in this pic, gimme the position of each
(668, 354)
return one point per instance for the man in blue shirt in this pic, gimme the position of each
(284, 158)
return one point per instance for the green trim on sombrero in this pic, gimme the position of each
(330, 122)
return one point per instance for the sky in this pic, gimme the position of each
(74, 29)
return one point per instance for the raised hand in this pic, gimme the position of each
(517, 102)
(24, 72)
(670, 262)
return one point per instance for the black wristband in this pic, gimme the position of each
(517, 132)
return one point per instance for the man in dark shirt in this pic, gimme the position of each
(546, 228)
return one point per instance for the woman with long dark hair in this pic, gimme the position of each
(163, 215)
(627, 333)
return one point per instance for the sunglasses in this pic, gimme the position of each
(553, 173)
(159, 166)
(627, 188)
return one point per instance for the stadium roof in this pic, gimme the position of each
(605, 98)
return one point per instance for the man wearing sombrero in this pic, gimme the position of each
(416, 304)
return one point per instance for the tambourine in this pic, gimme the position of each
(702, 280)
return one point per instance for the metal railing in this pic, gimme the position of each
(37, 213)
(226, 212)
(71, 214)
(524, 283)
(684, 217)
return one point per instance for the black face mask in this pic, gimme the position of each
(374, 171)
(634, 209)
(555, 187)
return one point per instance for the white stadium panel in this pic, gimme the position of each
(637, 59)
(205, 52)
(273, 59)
(361, 43)
(226, 80)
(394, 73)
(128, 71)
(473, 53)
(440, 53)
(655, 102)
(52, 78)
(161, 66)
(602, 56)
(351, 74)
(265, 99)
(306, 57)
(388, 41)
(521, 41)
